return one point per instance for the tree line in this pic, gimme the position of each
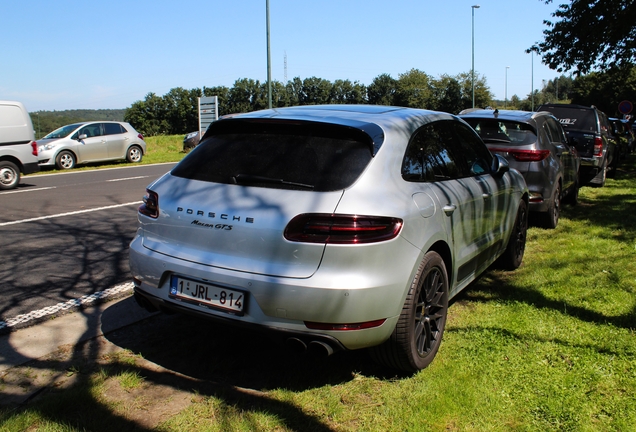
(176, 112)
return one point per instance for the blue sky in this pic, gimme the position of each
(99, 54)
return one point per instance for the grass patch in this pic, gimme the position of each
(550, 346)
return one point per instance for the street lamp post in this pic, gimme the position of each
(269, 61)
(472, 70)
(506, 89)
(532, 79)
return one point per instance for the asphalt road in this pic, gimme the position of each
(66, 235)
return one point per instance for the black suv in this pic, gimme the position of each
(589, 130)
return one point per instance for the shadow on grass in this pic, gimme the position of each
(198, 357)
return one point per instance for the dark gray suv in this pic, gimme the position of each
(536, 145)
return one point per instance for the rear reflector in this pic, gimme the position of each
(34, 147)
(341, 327)
(341, 229)
(523, 155)
(150, 207)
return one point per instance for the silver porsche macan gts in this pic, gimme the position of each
(334, 227)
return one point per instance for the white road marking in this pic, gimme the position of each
(74, 303)
(68, 214)
(127, 178)
(28, 190)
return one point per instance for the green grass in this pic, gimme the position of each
(550, 346)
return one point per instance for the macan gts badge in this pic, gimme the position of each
(332, 228)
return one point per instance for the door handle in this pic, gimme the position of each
(449, 209)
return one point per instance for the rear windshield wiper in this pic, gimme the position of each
(248, 178)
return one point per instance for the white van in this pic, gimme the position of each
(18, 149)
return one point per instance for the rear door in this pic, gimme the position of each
(117, 140)
(455, 164)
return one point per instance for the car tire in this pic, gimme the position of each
(513, 255)
(65, 160)
(134, 154)
(551, 217)
(9, 175)
(420, 327)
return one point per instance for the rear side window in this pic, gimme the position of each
(279, 154)
(444, 150)
(113, 129)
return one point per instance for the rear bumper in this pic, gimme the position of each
(297, 340)
(336, 294)
(30, 168)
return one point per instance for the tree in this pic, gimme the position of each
(346, 92)
(414, 90)
(483, 95)
(149, 116)
(448, 94)
(246, 95)
(316, 91)
(182, 112)
(606, 90)
(590, 34)
(382, 90)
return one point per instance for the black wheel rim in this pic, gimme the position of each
(430, 313)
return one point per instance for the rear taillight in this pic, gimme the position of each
(140, 136)
(598, 146)
(34, 147)
(524, 155)
(150, 207)
(341, 229)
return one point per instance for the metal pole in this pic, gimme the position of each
(506, 89)
(532, 80)
(472, 69)
(269, 61)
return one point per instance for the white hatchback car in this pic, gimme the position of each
(335, 227)
(90, 142)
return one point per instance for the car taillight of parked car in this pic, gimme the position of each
(34, 146)
(341, 229)
(140, 136)
(150, 207)
(598, 146)
(524, 155)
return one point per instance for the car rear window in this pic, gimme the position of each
(279, 154)
(574, 118)
(496, 131)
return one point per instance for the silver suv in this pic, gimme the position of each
(334, 227)
(535, 144)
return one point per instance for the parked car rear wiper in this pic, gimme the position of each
(248, 178)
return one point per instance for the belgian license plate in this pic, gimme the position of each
(206, 294)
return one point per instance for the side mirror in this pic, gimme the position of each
(500, 165)
(82, 137)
